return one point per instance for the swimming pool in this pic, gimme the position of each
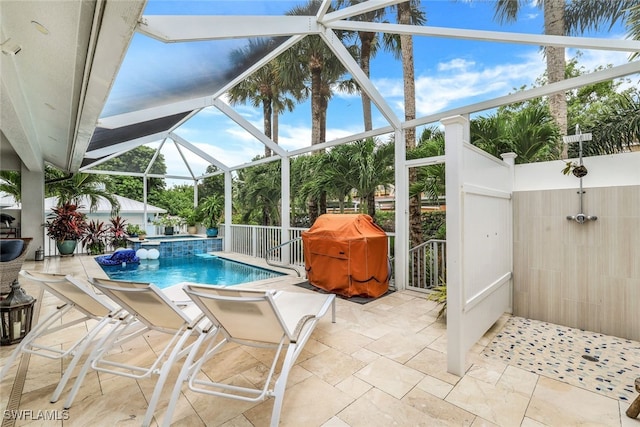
(202, 268)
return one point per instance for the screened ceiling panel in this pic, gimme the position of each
(155, 73)
(104, 137)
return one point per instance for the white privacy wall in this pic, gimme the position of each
(479, 241)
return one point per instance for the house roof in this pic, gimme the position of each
(127, 206)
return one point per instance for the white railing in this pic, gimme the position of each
(258, 240)
(50, 248)
(427, 265)
(252, 240)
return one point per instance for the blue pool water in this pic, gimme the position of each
(206, 269)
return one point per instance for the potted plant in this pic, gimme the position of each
(117, 232)
(134, 230)
(576, 169)
(95, 239)
(169, 222)
(66, 226)
(192, 218)
(210, 210)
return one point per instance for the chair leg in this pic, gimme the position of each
(182, 378)
(281, 384)
(33, 334)
(108, 338)
(164, 373)
(76, 358)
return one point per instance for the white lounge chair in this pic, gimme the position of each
(271, 319)
(76, 295)
(153, 311)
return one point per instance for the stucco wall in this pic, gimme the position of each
(579, 275)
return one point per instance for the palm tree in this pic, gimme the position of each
(617, 125)
(409, 13)
(266, 88)
(530, 132)
(73, 189)
(562, 18)
(368, 46)
(373, 167)
(260, 193)
(336, 173)
(312, 62)
(10, 183)
(431, 179)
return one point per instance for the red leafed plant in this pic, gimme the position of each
(117, 232)
(66, 223)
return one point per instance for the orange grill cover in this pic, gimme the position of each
(347, 255)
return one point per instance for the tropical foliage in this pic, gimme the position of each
(66, 223)
(211, 210)
(76, 188)
(136, 161)
(529, 132)
(118, 232)
(10, 184)
(95, 238)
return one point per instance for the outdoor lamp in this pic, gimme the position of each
(16, 313)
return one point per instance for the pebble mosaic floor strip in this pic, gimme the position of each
(601, 363)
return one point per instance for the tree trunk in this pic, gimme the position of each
(266, 114)
(406, 44)
(371, 205)
(556, 64)
(316, 123)
(365, 58)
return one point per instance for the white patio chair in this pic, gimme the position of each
(76, 295)
(256, 318)
(154, 311)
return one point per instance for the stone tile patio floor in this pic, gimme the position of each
(381, 364)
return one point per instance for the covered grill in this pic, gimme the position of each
(347, 255)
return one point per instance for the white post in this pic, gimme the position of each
(195, 193)
(285, 214)
(402, 211)
(510, 159)
(145, 222)
(454, 133)
(32, 213)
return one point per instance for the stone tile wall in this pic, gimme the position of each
(587, 275)
(180, 248)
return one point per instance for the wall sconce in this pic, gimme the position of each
(10, 48)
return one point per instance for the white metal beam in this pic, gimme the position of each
(358, 9)
(336, 46)
(125, 119)
(180, 140)
(246, 125)
(339, 141)
(182, 28)
(491, 36)
(585, 79)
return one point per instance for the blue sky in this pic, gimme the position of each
(449, 73)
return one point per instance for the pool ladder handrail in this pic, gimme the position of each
(275, 264)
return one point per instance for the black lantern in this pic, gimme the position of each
(16, 313)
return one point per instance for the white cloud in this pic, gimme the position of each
(461, 81)
(456, 64)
